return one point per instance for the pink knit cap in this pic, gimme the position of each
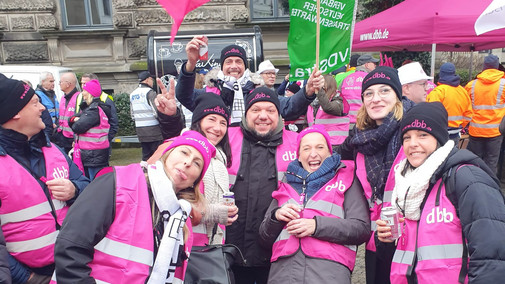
(197, 141)
(93, 87)
(314, 128)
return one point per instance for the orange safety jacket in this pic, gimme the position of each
(456, 101)
(487, 93)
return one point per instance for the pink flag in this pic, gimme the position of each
(178, 9)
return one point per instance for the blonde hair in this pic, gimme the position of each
(364, 121)
(190, 194)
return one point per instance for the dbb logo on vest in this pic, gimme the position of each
(60, 173)
(289, 156)
(437, 215)
(338, 185)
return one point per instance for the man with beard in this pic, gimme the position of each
(234, 83)
(262, 150)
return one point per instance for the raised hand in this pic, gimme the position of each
(315, 83)
(193, 51)
(165, 102)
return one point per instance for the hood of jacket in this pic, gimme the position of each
(490, 76)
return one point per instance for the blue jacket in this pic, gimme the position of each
(50, 101)
(290, 108)
(29, 154)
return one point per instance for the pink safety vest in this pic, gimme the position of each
(125, 254)
(200, 237)
(376, 205)
(96, 137)
(26, 215)
(65, 114)
(299, 120)
(286, 152)
(328, 202)
(439, 243)
(351, 91)
(336, 126)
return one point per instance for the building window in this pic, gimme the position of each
(270, 9)
(86, 14)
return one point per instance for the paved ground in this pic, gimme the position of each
(358, 275)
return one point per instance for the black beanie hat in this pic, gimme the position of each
(262, 94)
(294, 87)
(383, 75)
(14, 96)
(233, 50)
(209, 103)
(428, 117)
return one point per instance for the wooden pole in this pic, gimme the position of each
(317, 34)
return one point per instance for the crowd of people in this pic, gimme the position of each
(311, 165)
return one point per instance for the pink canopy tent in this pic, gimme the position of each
(415, 25)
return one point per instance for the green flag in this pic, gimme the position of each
(336, 25)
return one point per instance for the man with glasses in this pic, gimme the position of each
(268, 73)
(414, 81)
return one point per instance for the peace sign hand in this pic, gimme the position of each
(165, 102)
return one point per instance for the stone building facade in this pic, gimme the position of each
(109, 37)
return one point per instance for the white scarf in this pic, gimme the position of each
(175, 218)
(235, 85)
(409, 190)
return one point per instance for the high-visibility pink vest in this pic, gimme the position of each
(351, 91)
(439, 248)
(376, 205)
(286, 152)
(327, 202)
(336, 126)
(200, 237)
(96, 137)
(299, 120)
(26, 214)
(125, 254)
(66, 112)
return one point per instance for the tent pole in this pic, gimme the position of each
(470, 78)
(433, 51)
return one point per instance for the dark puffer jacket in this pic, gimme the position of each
(90, 117)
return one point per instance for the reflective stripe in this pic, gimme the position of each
(483, 125)
(144, 119)
(354, 112)
(352, 247)
(142, 111)
(354, 101)
(455, 117)
(30, 212)
(66, 128)
(98, 130)
(404, 257)
(388, 195)
(325, 206)
(343, 119)
(338, 133)
(440, 252)
(472, 92)
(33, 244)
(500, 91)
(467, 118)
(492, 107)
(62, 117)
(92, 139)
(200, 229)
(125, 251)
(373, 226)
(232, 178)
(280, 175)
(284, 235)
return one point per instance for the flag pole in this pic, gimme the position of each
(317, 34)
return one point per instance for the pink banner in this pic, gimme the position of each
(178, 9)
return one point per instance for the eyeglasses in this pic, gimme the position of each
(424, 84)
(383, 93)
(271, 74)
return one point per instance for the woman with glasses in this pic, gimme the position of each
(454, 212)
(375, 146)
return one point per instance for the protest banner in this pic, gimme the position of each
(335, 32)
